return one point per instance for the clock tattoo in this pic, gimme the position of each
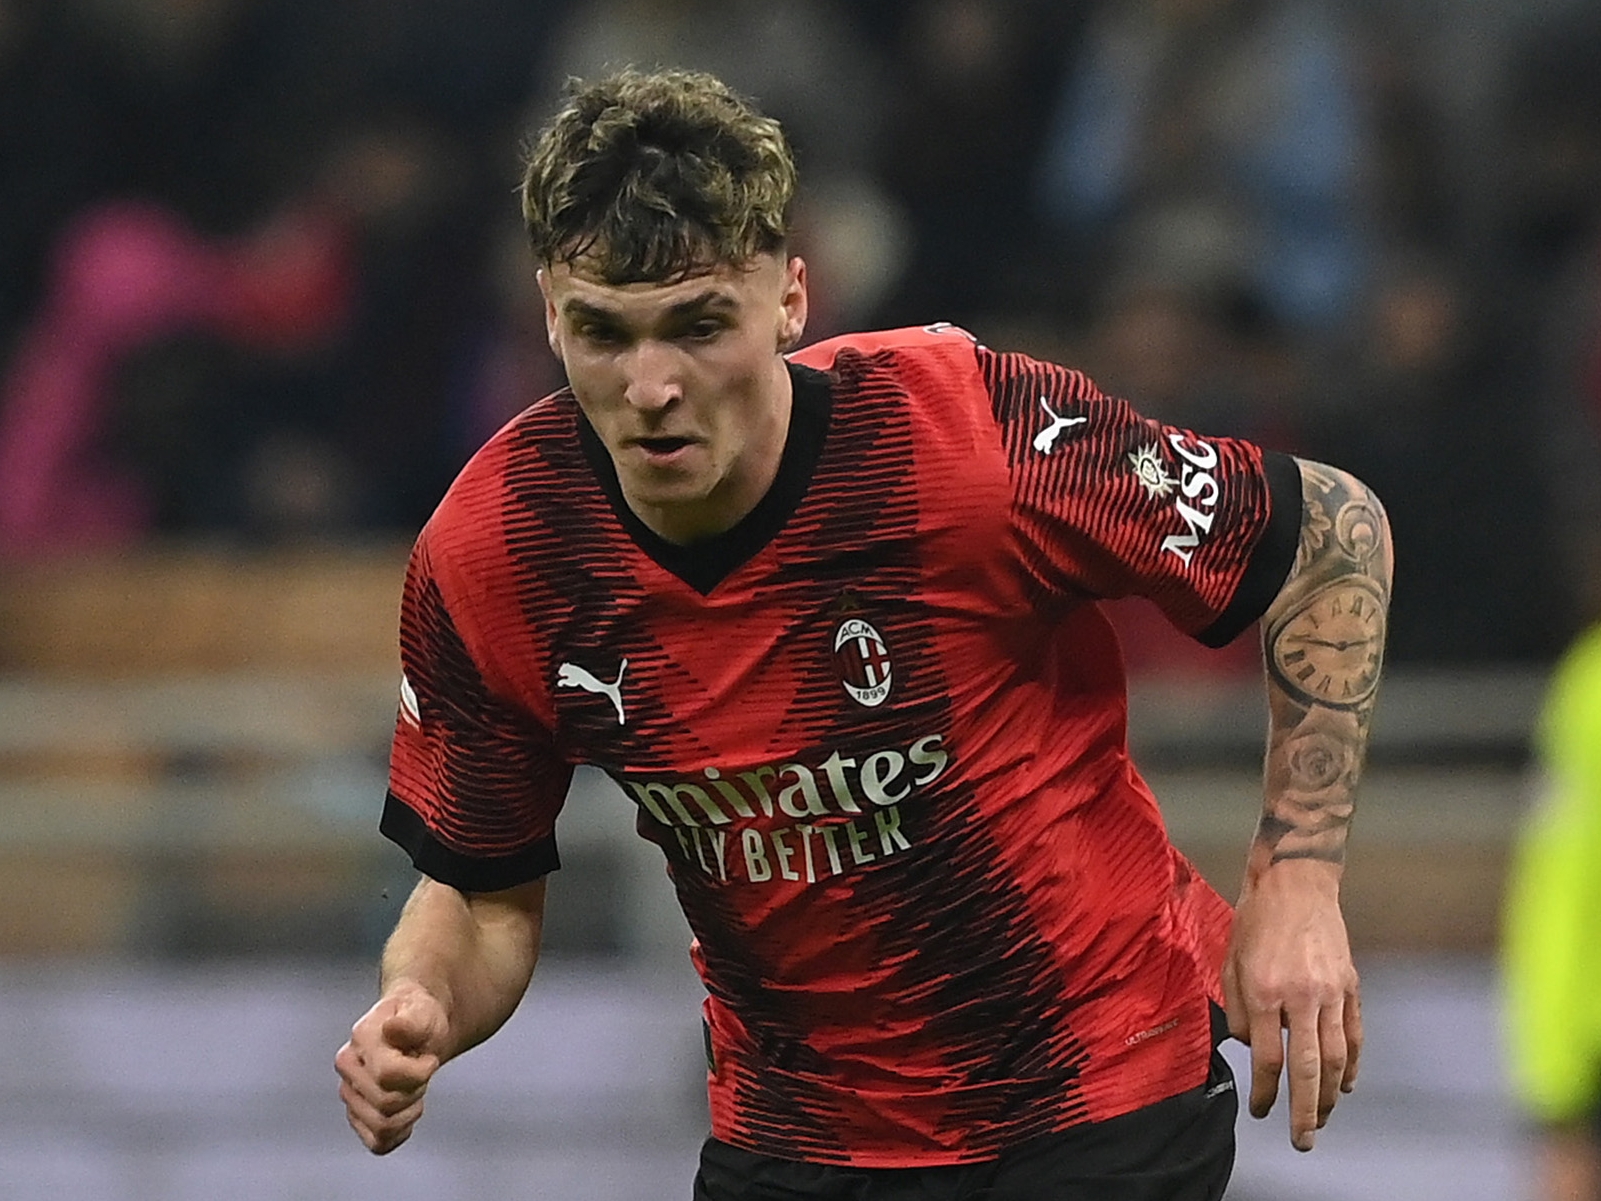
(1328, 651)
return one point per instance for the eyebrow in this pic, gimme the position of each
(711, 298)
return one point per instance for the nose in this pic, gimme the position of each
(650, 372)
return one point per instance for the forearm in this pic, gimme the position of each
(1323, 644)
(474, 953)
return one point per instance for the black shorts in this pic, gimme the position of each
(1180, 1149)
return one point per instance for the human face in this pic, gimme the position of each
(684, 382)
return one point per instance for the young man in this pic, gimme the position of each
(829, 617)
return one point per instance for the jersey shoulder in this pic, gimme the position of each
(524, 442)
(537, 442)
(1012, 381)
(500, 491)
(932, 372)
(940, 339)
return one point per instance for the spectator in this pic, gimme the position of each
(962, 138)
(191, 133)
(1421, 403)
(1551, 221)
(127, 276)
(1224, 135)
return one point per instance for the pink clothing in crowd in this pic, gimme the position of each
(127, 274)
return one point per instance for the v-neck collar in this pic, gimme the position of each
(708, 562)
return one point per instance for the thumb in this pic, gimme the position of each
(412, 1026)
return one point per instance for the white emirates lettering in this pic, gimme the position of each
(845, 813)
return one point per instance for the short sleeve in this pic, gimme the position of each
(1109, 503)
(475, 783)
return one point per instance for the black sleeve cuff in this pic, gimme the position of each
(469, 873)
(1274, 555)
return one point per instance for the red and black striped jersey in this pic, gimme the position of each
(877, 729)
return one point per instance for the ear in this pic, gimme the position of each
(793, 304)
(551, 325)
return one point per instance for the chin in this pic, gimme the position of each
(659, 493)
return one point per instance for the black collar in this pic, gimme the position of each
(708, 562)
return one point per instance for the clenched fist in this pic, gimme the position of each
(384, 1069)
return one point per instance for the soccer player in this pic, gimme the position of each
(829, 617)
(1551, 955)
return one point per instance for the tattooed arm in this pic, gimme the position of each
(1289, 978)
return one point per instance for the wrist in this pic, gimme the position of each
(1268, 869)
(404, 988)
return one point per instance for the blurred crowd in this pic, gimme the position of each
(261, 275)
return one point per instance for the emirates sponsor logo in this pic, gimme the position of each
(862, 657)
(792, 821)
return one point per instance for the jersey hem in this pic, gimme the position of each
(1150, 1123)
(1102, 1145)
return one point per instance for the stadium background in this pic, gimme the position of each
(261, 292)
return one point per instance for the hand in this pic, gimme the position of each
(1567, 1163)
(1289, 968)
(384, 1069)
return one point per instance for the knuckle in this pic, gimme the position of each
(395, 1104)
(390, 1132)
(398, 1080)
(368, 1137)
(1268, 1057)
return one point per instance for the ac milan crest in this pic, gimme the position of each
(863, 661)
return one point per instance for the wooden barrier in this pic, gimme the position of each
(189, 609)
(192, 750)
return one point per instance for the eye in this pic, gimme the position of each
(704, 330)
(599, 335)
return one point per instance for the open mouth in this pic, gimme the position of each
(662, 446)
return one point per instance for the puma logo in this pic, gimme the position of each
(1046, 438)
(570, 675)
